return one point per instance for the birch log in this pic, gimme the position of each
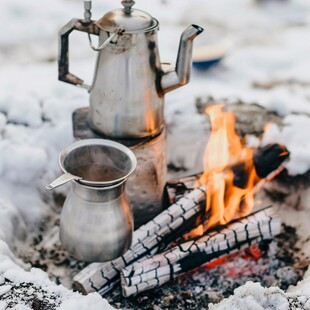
(159, 269)
(147, 240)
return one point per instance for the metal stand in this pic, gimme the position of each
(145, 187)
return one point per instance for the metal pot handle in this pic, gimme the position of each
(83, 25)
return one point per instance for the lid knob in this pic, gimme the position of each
(87, 10)
(127, 5)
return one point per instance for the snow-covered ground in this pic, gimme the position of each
(268, 43)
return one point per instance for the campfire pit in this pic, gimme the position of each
(267, 66)
(261, 261)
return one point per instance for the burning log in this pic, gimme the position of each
(239, 234)
(266, 160)
(269, 158)
(176, 189)
(149, 239)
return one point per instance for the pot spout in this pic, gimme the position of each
(179, 76)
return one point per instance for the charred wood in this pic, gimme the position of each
(266, 160)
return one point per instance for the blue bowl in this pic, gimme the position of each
(206, 64)
(207, 56)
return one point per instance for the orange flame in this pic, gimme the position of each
(226, 156)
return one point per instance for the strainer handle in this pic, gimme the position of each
(63, 179)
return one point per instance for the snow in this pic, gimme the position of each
(3, 122)
(303, 287)
(12, 224)
(21, 307)
(3, 305)
(14, 273)
(4, 289)
(253, 296)
(267, 42)
(81, 303)
(14, 157)
(293, 136)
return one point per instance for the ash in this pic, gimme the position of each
(28, 294)
(279, 263)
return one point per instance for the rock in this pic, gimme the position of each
(168, 299)
(250, 118)
(214, 297)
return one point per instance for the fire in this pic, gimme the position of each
(229, 171)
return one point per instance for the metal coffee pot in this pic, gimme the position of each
(127, 92)
(96, 222)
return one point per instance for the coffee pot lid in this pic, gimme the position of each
(128, 20)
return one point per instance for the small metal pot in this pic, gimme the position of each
(96, 222)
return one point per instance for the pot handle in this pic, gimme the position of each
(63, 179)
(83, 25)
